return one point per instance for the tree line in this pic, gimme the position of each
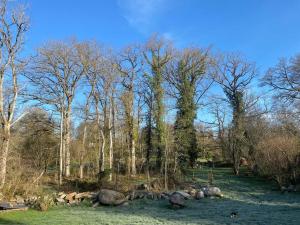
(81, 109)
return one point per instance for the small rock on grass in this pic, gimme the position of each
(199, 195)
(212, 191)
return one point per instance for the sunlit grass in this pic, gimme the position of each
(254, 200)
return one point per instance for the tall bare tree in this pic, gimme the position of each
(55, 75)
(129, 65)
(234, 74)
(13, 26)
(102, 79)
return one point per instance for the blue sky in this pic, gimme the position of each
(263, 30)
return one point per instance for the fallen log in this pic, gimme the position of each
(8, 207)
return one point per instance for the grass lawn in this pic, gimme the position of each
(252, 198)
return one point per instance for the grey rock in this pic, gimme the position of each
(184, 194)
(111, 197)
(212, 191)
(177, 200)
(199, 195)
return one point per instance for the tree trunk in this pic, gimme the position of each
(4, 154)
(236, 163)
(128, 158)
(133, 164)
(61, 148)
(82, 153)
(102, 152)
(67, 141)
(148, 143)
(166, 168)
(110, 143)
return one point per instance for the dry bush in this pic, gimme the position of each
(277, 156)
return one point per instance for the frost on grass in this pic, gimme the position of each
(252, 199)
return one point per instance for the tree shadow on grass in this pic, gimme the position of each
(10, 222)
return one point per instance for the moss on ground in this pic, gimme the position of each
(254, 200)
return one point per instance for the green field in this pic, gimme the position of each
(254, 200)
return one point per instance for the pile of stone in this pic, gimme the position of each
(140, 194)
(73, 197)
(114, 198)
(178, 198)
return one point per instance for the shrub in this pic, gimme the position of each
(277, 156)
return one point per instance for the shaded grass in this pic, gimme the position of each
(254, 199)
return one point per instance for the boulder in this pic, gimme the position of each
(177, 200)
(199, 195)
(111, 197)
(183, 194)
(212, 192)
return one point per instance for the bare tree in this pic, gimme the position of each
(13, 26)
(84, 136)
(102, 78)
(55, 75)
(284, 79)
(234, 74)
(129, 65)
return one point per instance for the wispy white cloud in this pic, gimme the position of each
(142, 14)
